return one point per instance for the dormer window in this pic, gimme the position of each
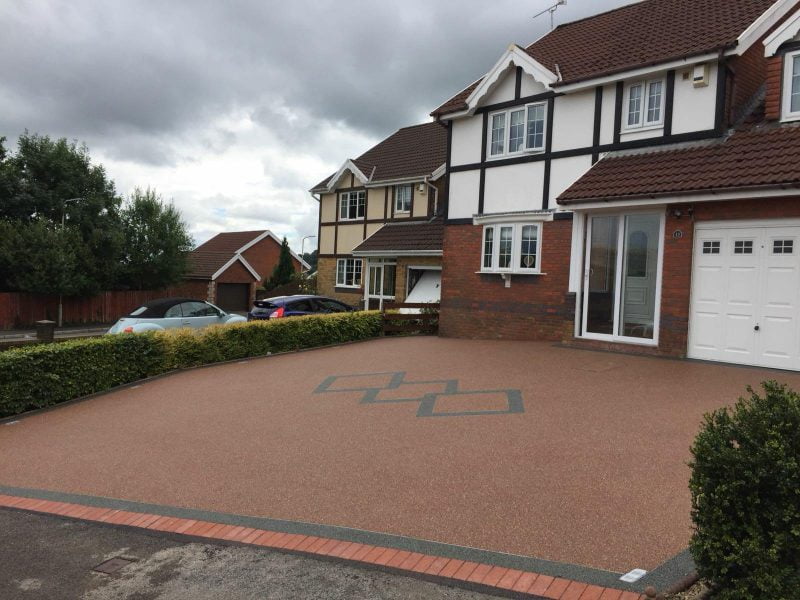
(645, 101)
(517, 130)
(791, 86)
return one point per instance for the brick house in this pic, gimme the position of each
(227, 269)
(633, 188)
(380, 220)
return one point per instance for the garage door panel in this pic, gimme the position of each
(746, 285)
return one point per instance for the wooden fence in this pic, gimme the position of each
(425, 322)
(22, 310)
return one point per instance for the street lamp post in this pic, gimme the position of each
(302, 249)
(63, 226)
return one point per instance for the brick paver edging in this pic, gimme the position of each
(460, 573)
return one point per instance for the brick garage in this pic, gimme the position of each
(535, 307)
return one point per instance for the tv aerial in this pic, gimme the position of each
(552, 10)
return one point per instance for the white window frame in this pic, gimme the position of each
(643, 122)
(583, 306)
(786, 100)
(400, 210)
(516, 248)
(355, 261)
(525, 149)
(348, 195)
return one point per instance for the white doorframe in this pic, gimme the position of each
(620, 257)
(378, 263)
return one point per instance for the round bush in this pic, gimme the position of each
(745, 488)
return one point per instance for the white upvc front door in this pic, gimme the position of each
(381, 280)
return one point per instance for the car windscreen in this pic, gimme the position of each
(137, 312)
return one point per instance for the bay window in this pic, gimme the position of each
(517, 130)
(511, 248)
(645, 102)
(348, 272)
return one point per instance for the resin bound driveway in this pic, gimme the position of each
(523, 448)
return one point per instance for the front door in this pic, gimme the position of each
(382, 275)
(621, 277)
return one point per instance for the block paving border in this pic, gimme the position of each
(458, 573)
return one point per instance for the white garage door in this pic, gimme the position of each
(746, 294)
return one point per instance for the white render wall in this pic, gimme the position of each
(695, 108)
(467, 136)
(564, 172)
(573, 121)
(513, 188)
(463, 201)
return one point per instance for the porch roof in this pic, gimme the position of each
(762, 156)
(405, 239)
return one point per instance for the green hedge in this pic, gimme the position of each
(43, 375)
(746, 497)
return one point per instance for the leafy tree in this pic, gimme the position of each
(37, 181)
(311, 259)
(284, 270)
(156, 242)
(42, 258)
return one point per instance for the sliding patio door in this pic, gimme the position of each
(622, 277)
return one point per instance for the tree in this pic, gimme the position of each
(35, 183)
(284, 270)
(311, 259)
(41, 258)
(156, 242)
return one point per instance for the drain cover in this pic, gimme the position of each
(112, 565)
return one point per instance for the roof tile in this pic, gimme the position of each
(404, 237)
(758, 156)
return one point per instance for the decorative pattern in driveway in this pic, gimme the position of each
(437, 398)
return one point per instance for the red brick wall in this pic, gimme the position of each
(236, 273)
(677, 274)
(535, 307)
(749, 74)
(263, 257)
(774, 77)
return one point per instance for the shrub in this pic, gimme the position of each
(745, 488)
(44, 375)
(39, 376)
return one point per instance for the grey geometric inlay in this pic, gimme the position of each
(436, 390)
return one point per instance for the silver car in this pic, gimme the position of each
(171, 313)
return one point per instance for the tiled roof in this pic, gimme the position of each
(637, 35)
(230, 242)
(414, 151)
(405, 237)
(204, 263)
(758, 156)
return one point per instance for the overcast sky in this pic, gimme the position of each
(235, 109)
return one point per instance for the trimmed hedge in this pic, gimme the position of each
(44, 375)
(746, 497)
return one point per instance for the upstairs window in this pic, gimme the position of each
(645, 102)
(517, 130)
(402, 198)
(351, 205)
(791, 86)
(511, 248)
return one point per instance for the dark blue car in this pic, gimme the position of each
(295, 306)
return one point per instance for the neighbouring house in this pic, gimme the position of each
(630, 181)
(227, 269)
(381, 221)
